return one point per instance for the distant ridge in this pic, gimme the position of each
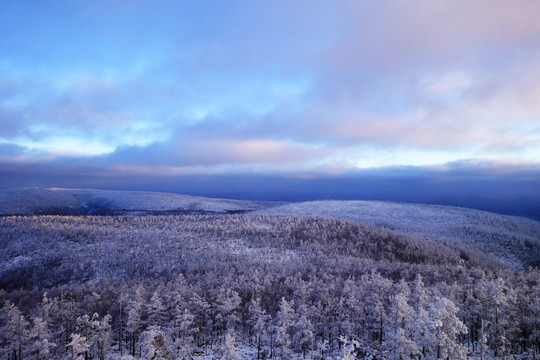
(508, 240)
(511, 240)
(58, 201)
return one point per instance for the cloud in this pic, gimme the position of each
(212, 152)
(10, 150)
(273, 85)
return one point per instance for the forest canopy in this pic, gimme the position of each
(174, 287)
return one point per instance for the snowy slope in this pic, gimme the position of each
(29, 201)
(512, 240)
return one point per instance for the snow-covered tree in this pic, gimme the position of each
(303, 336)
(285, 321)
(155, 345)
(79, 347)
(399, 344)
(533, 321)
(41, 342)
(349, 347)
(185, 330)
(103, 336)
(375, 308)
(258, 321)
(498, 302)
(157, 311)
(229, 350)
(201, 309)
(15, 331)
(228, 302)
(444, 328)
(419, 297)
(133, 326)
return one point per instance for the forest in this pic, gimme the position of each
(255, 287)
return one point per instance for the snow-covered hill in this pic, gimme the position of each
(512, 240)
(307, 273)
(55, 201)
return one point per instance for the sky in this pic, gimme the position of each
(172, 95)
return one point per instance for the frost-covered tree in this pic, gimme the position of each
(157, 311)
(399, 344)
(14, 332)
(133, 327)
(444, 328)
(352, 308)
(419, 330)
(349, 347)
(498, 313)
(375, 308)
(229, 351)
(155, 344)
(67, 314)
(419, 297)
(258, 321)
(41, 342)
(202, 322)
(134, 322)
(228, 302)
(185, 331)
(285, 320)
(303, 336)
(86, 326)
(533, 321)
(103, 332)
(79, 347)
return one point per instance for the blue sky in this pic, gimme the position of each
(271, 88)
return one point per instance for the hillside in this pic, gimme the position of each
(193, 278)
(513, 241)
(93, 249)
(506, 240)
(55, 201)
(181, 285)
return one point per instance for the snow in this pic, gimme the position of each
(26, 201)
(500, 235)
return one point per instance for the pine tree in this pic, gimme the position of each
(155, 344)
(444, 327)
(349, 348)
(157, 312)
(229, 351)
(40, 340)
(15, 331)
(103, 336)
(228, 302)
(79, 347)
(499, 300)
(285, 322)
(185, 330)
(419, 297)
(133, 327)
(303, 336)
(258, 320)
(399, 344)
